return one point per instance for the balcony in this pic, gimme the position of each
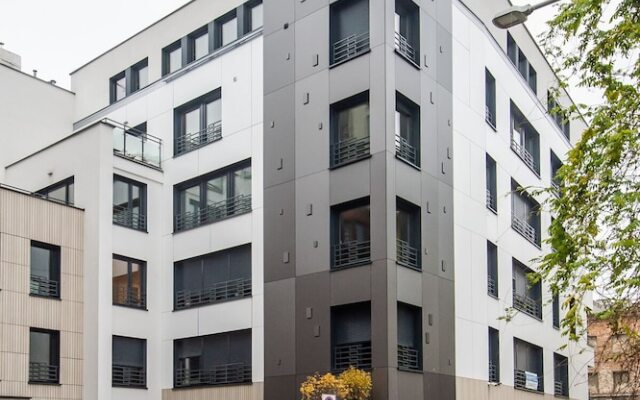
(41, 286)
(43, 373)
(213, 212)
(493, 372)
(525, 155)
(130, 297)
(521, 226)
(350, 254)
(129, 218)
(527, 305)
(195, 140)
(409, 358)
(492, 286)
(406, 151)
(560, 389)
(407, 255)
(221, 291)
(216, 375)
(137, 146)
(528, 380)
(127, 376)
(348, 151)
(349, 47)
(357, 355)
(491, 202)
(489, 117)
(404, 47)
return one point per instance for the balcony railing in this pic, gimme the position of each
(43, 372)
(349, 47)
(131, 297)
(491, 201)
(357, 355)
(192, 141)
(221, 291)
(213, 212)
(351, 253)
(129, 217)
(493, 372)
(524, 154)
(489, 117)
(124, 375)
(522, 227)
(492, 286)
(216, 375)
(527, 380)
(42, 286)
(349, 150)
(137, 146)
(406, 151)
(404, 47)
(527, 305)
(409, 358)
(560, 389)
(407, 255)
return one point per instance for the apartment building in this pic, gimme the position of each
(41, 296)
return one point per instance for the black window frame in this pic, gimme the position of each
(522, 63)
(138, 223)
(528, 302)
(45, 373)
(131, 77)
(113, 84)
(490, 99)
(525, 225)
(351, 347)
(407, 39)
(534, 363)
(409, 337)
(343, 48)
(219, 22)
(408, 252)
(191, 43)
(491, 177)
(134, 81)
(352, 253)
(408, 149)
(141, 302)
(46, 287)
(493, 286)
(494, 355)
(166, 58)
(345, 152)
(560, 375)
(248, 15)
(69, 192)
(207, 133)
(128, 376)
(528, 148)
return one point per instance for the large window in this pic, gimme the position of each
(407, 30)
(492, 269)
(213, 197)
(215, 277)
(129, 358)
(218, 359)
(351, 336)
(494, 355)
(254, 15)
(492, 184)
(560, 375)
(129, 81)
(349, 30)
(129, 281)
(61, 191)
(525, 140)
(490, 98)
(407, 130)
(525, 214)
(528, 372)
(44, 356)
(409, 337)
(129, 203)
(408, 235)
(45, 270)
(226, 28)
(521, 62)
(527, 296)
(198, 123)
(350, 234)
(350, 130)
(559, 115)
(198, 44)
(172, 58)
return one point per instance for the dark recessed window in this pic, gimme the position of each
(559, 115)
(45, 270)
(407, 130)
(490, 98)
(525, 140)
(129, 203)
(226, 29)
(198, 122)
(525, 214)
(350, 234)
(198, 43)
(492, 184)
(494, 355)
(555, 308)
(556, 164)
(528, 372)
(172, 58)
(560, 375)
(118, 87)
(44, 356)
(129, 282)
(140, 75)
(409, 337)
(408, 235)
(492, 269)
(351, 336)
(254, 15)
(407, 30)
(61, 191)
(349, 30)
(527, 296)
(521, 62)
(129, 362)
(350, 130)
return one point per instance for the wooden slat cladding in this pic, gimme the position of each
(241, 392)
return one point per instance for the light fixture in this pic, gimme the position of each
(517, 15)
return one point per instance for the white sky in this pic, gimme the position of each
(57, 36)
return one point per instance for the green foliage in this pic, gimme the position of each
(351, 384)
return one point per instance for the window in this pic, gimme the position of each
(218, 359)
(528, 373)
(492, 184)
(129, 81)
(61, 191)
(620, 379)
(407, 130)
(45, 270)
(527, 297)
(215, 277)
(558, 115)
(494, 355)
(490, 98)
(350, 234)
(555, 306)
(129, 203)
(561, 375)
(44, 356)
(408, 242)
(213, 197)
(594, 384)
(349, 30)
(172, 58)
(409, 337)
(556, 164)
(351, 336)
(492, 269)
(118, 87)
(350, 130)
(525, 140)
(226, 29)
(129, 280)
(198, 44)
(140, 75)
(521, 62)
(525, 218)
(129, 362)
(198, 123)
(254, 15)
(407, 30)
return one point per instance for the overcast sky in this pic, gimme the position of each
(57, 36)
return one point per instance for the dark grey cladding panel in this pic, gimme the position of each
(279, 59)
(276, 14)
(279, 235)
(313, 327)
(444, 58)
(439, 386)
(279, 143)
(352, 285)
(279, 330)
(280, 387)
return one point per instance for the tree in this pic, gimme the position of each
(351, 384)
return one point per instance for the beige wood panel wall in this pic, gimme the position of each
(241, 392)
(25, 218)
(473, 389)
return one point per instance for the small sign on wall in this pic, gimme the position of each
(329, 397)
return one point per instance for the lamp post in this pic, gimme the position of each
(516, 15)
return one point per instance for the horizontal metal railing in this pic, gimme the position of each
(492, 286)
(131, 297)
(220, 291)
(43, 372)
(42, 286)
(527, 305)
(216, 375)
(404, 47)
(349, 47)
(493, 372)
(192, 141)
(128, 217)
(357, 355)
(560, 389)
(524, 228)
(409, 358)
(491, 201)
(520, 381)
(213, 212)
(124, 375)
(349, 150)
(407, 255)
(524, 154)
(406, 151)
(351, 253)
(489, 117)
(137, 146)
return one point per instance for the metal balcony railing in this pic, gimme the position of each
(131, 297)
(520, 381)
(349, 47)
(43, 372)
(560, 388)
(128, 217)
(213, 212)
(407, 255)
(409, 358)
(522, 227)
(137, 146)
(124, 375)
(493, 372)
(42, 286)
(489, 117)
(221, 291)
(404, 47)
(216, 375)
(406, 151)
(527, 305)
(357, 355)
(555, 186)
(351, 253)
(349, 150)
(192, 141)
(491, 201)
(524, 154)
(492, 286)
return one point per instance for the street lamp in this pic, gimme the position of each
(516, 15)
